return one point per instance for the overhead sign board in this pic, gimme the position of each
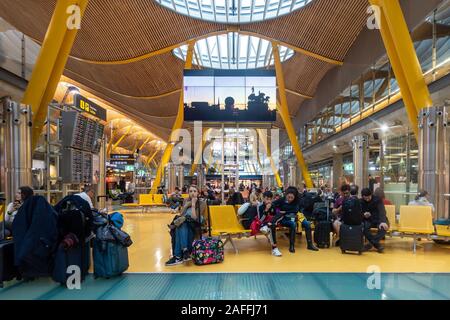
(85, 105)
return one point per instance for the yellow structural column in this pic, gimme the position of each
(121, 138)
(176, 126)
(199, 152)
(144, 143)
(263, 138)
(285, 116)
(48, 70)
(402, 41)
(110, 144)
(47, 55)
(394, 58)
(150, 158)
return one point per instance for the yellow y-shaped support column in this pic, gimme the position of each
(416, 96)
(199, 152)
(285, 116)
(144, 143)
(263, 138)
(152, 157)
(50, 64)
(176, 126)
(121, 138)
(110, 144)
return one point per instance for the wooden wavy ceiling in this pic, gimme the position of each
(115, 30)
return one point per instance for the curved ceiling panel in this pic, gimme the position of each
(326, 27)
(302, 74)
(149, 77)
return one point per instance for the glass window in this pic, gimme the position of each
(233, 51)
(400, 168)
(233, 11)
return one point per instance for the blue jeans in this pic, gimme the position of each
(288, 223)
(183, 239)
(306, 225)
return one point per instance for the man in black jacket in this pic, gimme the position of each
(374, 217)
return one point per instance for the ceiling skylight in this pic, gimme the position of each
(233, 51)
(234, 11)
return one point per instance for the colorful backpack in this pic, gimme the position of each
(207, 251)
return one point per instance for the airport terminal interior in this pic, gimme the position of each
(224, 149)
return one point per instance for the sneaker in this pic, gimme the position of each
(380, 249)
(338, 243)
(264, 230)
(186, 256)
(368, 247)
(276, 252)
(174, 261)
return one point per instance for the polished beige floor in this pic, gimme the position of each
(151, 249)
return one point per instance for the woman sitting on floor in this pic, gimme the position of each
(186, 227)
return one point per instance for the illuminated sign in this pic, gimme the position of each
(84, 105)
(122, 156)
(122, 162)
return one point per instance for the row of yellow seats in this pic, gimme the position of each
(415, 220)
(151, 199)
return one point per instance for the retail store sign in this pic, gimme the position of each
(84, 105)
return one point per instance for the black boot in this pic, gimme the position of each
(292, 241)
(311, 245)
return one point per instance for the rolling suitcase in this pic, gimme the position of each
(322, 228)
(110, 259)
(72, 220)
(80, 256)
(322, 234)
(7, 269)
(351, 238)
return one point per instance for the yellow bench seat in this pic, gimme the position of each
(416, 221)
(224, 222)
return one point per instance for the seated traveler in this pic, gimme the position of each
(422, 200)
(11, 212)
(266, 213)
(35, 233)
(337, 211)
(287, 209)
(380, 194)
(87, 195)
(175, 199)
(374, 217)
(186, 227)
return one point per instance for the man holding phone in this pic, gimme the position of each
(374, 217)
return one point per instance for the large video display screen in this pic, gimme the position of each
(230, 95)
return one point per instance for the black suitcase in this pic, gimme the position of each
(7, 269)
(322, 232)
(79, 255)
(72, 220)
(322, 223)
(351, 238)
